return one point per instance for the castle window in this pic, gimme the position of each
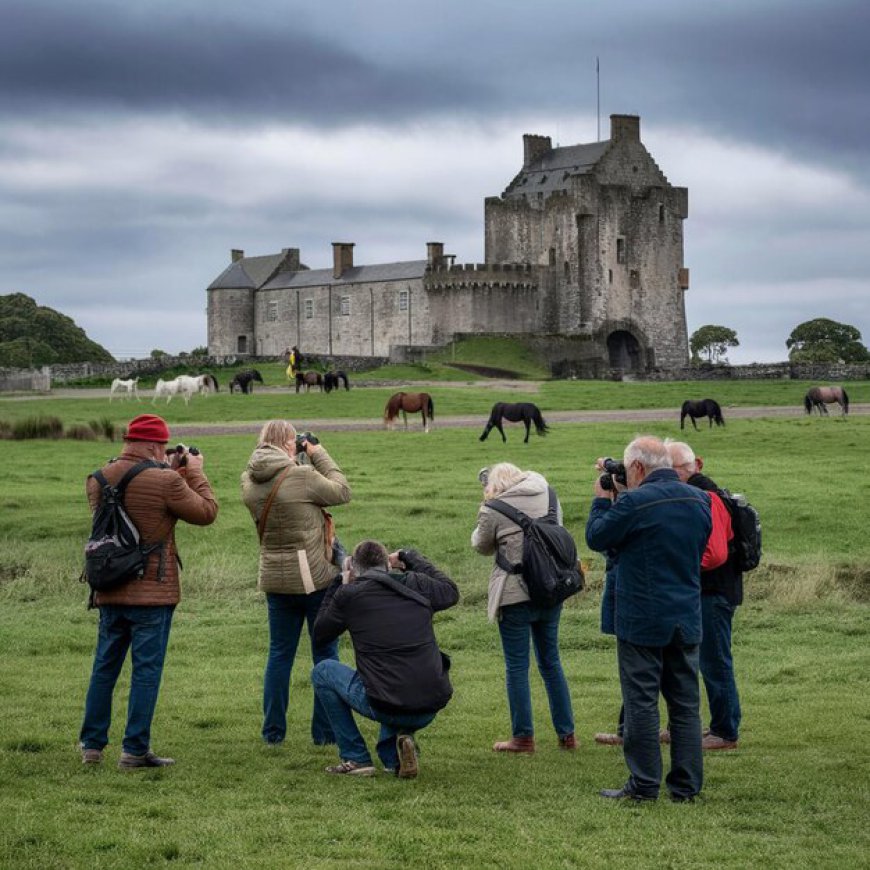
(634, 279)
(661, 213)
(620, 249)
(242, 344)
(344, 306)
(309, 309)
(610, 276)
(271, 312)
(567, 271)
(404, 298)
(552, 256)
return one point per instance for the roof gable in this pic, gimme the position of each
(551, 172)
(248, 273)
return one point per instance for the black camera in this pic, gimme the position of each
(303, 438)
(613, 471)
(182, 450)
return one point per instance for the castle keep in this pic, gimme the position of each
(584, 250)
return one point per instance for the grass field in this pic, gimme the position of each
(796, 792)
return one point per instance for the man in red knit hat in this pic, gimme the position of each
(136, 615)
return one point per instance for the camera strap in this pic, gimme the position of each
(261, 522)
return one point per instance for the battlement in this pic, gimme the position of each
(516, 276)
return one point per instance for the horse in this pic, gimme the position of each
(521, 412)
(244, 381)
(207, 384)
(331, 381)
(309, 380)
(409, 403)
(183, 384)
(819, 397)
(130, 387)
(701, 408)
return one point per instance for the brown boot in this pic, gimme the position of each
(516, 744)
(569, 742)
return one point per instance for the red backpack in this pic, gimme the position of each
(716, 551)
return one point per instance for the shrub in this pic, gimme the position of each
(5, 429)
(104, 428)
(81, 432)
(37, 427)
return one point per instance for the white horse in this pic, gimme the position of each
(183, 385)
(130, 388)
(207, 384)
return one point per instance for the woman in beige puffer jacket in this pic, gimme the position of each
(295, 568)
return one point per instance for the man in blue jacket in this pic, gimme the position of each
(658, 528)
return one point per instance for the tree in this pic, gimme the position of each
(824, 340)
(158, 354)
(713, 342)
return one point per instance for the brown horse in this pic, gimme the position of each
(819, 397)
(309, 380)
(410, 403)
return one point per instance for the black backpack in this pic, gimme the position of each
(113, 553)
(747, 531)
(549, 566)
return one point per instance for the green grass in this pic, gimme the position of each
(794, 794)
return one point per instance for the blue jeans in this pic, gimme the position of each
(518, 624)
(144, 630)
(287, 614)
(341, 691)
(644, 671)
(717, 666)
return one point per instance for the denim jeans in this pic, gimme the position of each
(717, 666)
(145, 631)
(644, 671)
(287, 614)
(518, 624)
(341, 691)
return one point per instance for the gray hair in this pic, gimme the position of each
(277, 433)
(502, 476)
(650, 451)
(681, 453)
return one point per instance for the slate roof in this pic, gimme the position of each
(357, 275)
(249, 273)
(552, 171)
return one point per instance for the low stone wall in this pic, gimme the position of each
(830, 372)
(25, 380)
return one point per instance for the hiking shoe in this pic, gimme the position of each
(128, 761)
(713, 742)
(664, 736)
(92, 756)
(351, 768)
(524, 745)
(407, 756)
(569, 742)
(609, 739)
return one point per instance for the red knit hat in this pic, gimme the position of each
(147, 427)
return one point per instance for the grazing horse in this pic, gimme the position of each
(819, 397)
(185, 385)
(207, 384)
(331, 381)
(244, 381)
(130, 388)
(309, 380)
(521, 412)
(409, 403)
(701, 408)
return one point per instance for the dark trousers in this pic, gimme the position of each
(644, 672)
(717, 666)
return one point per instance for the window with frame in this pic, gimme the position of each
(404, 299)
(344, 306)
(271, 312)
(620, 250)
(242, 344)
(309, 309)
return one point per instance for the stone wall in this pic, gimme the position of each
(822, 372)
(25, 380)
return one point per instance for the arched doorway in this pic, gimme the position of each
(623, 351)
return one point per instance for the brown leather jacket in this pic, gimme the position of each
(155, 500)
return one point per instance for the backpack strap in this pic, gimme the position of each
(261, 522)
(398, 587)
(523, 520)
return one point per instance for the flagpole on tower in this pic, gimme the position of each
(598, 94)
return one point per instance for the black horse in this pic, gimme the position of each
(331, 381)
(521, 412)
(701, 408)
(244, 381)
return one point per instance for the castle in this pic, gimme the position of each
(583, 250)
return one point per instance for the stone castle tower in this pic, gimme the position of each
(583, 250)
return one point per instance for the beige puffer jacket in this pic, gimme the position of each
(495, 531)
(293, 557)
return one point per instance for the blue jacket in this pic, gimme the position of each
(659, 531)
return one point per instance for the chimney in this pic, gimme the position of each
(534, 148)
(236, 255)
(434, 253)
(342, 258)
(291, 259)
(625, 127)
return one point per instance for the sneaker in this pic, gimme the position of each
(524, 745)
(351, 768)
(664, 736)
(149, 759)
(569, 742)
(92, 756)
(407, 756)
(713, 742)
(609, 739)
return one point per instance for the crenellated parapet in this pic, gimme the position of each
(483, 276)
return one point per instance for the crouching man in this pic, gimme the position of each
(386, 602)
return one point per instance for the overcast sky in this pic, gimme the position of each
(140, 142)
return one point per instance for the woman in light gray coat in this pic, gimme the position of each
(520, 621)
(295, 567)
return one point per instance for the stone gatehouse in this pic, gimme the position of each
(584, 244)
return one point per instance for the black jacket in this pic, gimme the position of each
(727, 579)
(397, 656)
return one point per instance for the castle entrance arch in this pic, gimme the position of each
(623, 351)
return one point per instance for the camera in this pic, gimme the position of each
(613, 471)
(483, 476)
(303, 438)
(181, 451)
